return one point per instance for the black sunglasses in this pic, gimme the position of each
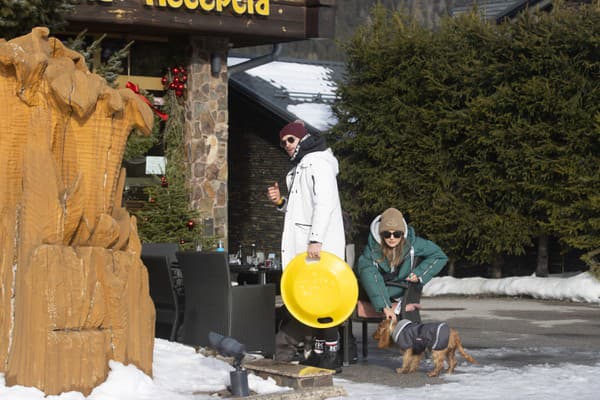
(290, 140)
(396, 234)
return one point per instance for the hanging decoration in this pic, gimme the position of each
(136, 89)
(191, 224)
(175, 79)
(171, 216)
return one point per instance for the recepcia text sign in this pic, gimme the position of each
(239, 7)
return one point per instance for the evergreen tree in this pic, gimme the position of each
(483, 134)
(19, 17)
(168, 217)
(544, 141)
(111, 68)
(400, 109)
(566, 101)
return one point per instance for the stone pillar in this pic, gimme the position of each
(206, 125)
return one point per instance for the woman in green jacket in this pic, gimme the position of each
(395, 254)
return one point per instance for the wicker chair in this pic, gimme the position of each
(161, 249)
(246, 313)
(163, 293)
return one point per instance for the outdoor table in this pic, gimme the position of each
(259, 271)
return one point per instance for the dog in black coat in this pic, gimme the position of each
(414, 338)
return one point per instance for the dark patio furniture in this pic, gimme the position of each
(163, 294)
(161, 249)
(244, 275)
(246, 313)
(170, 251)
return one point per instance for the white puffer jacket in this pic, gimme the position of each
(312, 209)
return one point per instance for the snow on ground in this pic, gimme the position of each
(493, 382)
(579, 288)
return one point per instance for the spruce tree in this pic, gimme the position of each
(485, 135)
(19, 17)
(168, 216)
(402, 117)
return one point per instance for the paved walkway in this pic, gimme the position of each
(510, 331)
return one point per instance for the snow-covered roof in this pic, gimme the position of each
(497, 9)
(293, 89)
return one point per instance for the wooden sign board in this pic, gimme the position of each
(245, 22)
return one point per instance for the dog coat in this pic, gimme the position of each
(408, 334)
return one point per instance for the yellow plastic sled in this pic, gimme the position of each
(319, 293)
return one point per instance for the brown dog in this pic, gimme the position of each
(411, 359)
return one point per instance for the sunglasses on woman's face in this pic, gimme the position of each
(289, 139)
(396, 234)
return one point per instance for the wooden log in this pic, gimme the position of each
(291, 375)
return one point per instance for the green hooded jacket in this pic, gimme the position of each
(421, 256)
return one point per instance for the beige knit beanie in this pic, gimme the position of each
(392, 220)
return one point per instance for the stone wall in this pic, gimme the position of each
(206, 128)
(232, 166)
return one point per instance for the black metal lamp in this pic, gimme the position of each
(229, 347)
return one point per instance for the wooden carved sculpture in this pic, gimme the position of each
(73, 290)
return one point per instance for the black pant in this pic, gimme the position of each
(291, 332)
(327, 334)
(299, 330)
(412, 295)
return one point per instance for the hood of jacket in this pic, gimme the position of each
(325, 155)
(374, 241)
(307, 145)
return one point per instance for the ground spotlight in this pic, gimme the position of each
(229, 347)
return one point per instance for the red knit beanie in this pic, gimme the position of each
(295, 128)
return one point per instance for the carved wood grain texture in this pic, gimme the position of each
(73, 290)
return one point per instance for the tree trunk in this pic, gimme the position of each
(451, 268)
(496, 267)
(541, 269)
